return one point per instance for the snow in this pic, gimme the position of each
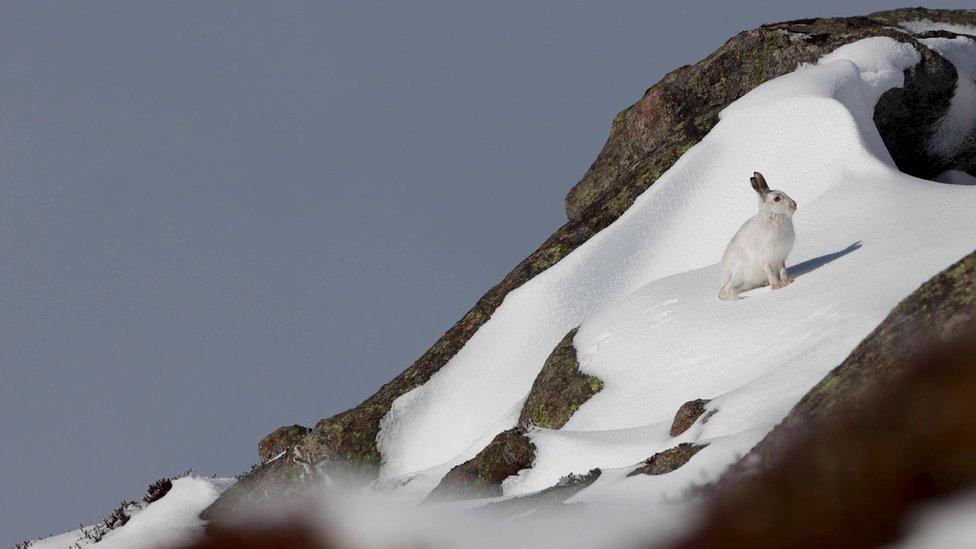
(806, 132)
(925, 25)
(955, 130)
(956, 177)
(169, 521)
(881, 62)
(945, 524)
(645, 292)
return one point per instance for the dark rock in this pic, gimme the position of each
(481, 476)
(907, 116)
(669, 460)
(872, 452)
(565, 488)
(261, 486)
(559, 389)
(281, 440)
(687, 415)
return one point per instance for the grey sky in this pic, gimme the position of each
(221, 217)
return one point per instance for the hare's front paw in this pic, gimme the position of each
(778, 284)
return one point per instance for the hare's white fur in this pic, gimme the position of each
(756, 256)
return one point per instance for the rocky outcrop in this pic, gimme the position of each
(677, 112)
(888, 430)
(687, 414)
(645, 140)
(669, 460)
(281, 440)
(567, 487)
(481, 476)
(260, 485)
(559, 389)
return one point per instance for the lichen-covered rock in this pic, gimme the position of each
(559, 389)
(648, 137)
(645, 140)
(258, 487)
(669, 460)
(567, 487)
(687, 414)
(877, 450)
(934, 312)
(481, 476)
(281, 440)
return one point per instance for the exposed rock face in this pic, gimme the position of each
(887, 430)
(645, 140)
(668, 460)
(687, 415)
(566, 488)
(559, 389)
(281, 440)
(256, 487)
(482, 476)
(907, 116)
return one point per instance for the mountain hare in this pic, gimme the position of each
(756, 256)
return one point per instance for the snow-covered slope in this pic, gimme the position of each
(644, 293)
(644, 290)
(171, 520)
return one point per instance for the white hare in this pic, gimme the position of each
(756, 256)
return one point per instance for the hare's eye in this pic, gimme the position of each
(776, 199)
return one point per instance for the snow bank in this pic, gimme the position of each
(644, 289)
(925, 25)
(806, 131)
(955, 130)
(943, 525)
(171, 520)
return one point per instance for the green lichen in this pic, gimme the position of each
(559, 388)
(482, 476)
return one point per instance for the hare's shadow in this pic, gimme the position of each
(810, 265)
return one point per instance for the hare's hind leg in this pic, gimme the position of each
(784, 275)
(729, 287)
(772, 274)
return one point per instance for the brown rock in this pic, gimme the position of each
(664, 462)
(855, 476)
(687, 415)
(559, 389)
(481, 476)
(567, 487)
(281, 440)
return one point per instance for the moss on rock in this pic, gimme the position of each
(281, 440)
(669, 460)
(567, 487)
(687, 414)
(481, 476)
(559, 389)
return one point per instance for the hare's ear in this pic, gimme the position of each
(759, 183)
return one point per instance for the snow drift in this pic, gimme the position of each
(644, 291)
